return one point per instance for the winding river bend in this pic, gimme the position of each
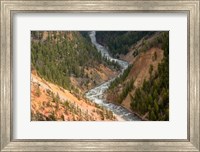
(96, 94)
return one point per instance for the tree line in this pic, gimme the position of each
(152, 99)
(153, 96)
(61, 55)
(119, 42)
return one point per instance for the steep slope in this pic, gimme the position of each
(64, 66)
(50, 102)
(119, 42)
(69, 60)
(136, 74)
(143, 88)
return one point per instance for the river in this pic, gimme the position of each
(96, 94)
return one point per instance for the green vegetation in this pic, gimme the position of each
(119, 42)
(57, 56)
(127, 87)
(154, 42)
(71, 111)
(120, 78)
(37, 91)
(85, 34)
(153, 96)
(152, 99)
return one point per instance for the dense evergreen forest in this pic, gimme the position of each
(153, 96)
(57, 56)
(119, 42)
(60, 56)
(128, 86)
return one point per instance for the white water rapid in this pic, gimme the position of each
(96, 94)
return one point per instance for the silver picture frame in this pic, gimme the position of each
(10, 7)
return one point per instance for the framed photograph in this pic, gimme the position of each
(100, 75)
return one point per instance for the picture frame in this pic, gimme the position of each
(8, 8)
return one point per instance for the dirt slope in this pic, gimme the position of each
(51, 102)
(139, 72)
(140, 69)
